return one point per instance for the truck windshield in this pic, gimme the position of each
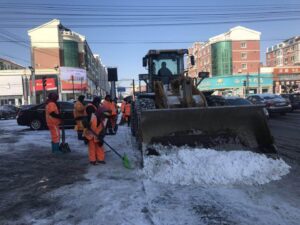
(167, 64)
(165, 67)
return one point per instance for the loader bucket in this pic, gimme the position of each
(225, 128)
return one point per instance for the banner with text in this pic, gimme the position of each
(73, 78)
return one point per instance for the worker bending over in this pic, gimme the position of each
(95, 133)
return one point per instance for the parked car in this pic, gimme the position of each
(35, 118)
(294, 99)
(26, 106)
(273, 103)
(8, 111)
(233, 100)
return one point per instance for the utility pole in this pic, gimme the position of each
(72, 77)
(258, 82)
(33, 84)
(133, 88)
(247, 83)
(44, 80)
(59, 86)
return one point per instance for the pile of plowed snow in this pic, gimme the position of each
(187, 166)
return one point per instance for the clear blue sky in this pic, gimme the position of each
(106, 21)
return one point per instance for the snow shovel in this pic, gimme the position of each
(63, 147)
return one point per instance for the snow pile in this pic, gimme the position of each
(210, 167)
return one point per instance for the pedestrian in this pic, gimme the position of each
(127, 111)
(109, 106)
(79, 114)
(53, 119)
(114, 115)
(123, 109)
(89, 110)
(92, 107)
(95, 133)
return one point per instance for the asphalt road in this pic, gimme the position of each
(286, 132)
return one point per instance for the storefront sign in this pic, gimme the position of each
(286, 70)
(236, 81)
(50, 84)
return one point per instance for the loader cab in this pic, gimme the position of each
(164, 65)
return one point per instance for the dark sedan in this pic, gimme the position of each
(34, 116)
(294, 99)
(8, 111)
(232, 100)
(273, 103)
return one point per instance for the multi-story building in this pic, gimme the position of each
(233, 61)
(14, 88)
(9, 65)
(235, 52)
(76, 70)
(286, 53)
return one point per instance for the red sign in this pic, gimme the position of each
(68, 85)
(286, 70)
(50, 84)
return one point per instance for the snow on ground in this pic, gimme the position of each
(218, 187)
(187, 166)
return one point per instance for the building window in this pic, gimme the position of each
(285, 60)
(244, 66)
(293, 58)
(243, 45)
(244, 55)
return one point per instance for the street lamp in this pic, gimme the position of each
(33, 84)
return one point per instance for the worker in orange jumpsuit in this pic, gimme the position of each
(53, 119)
(108, 105)
(123, 111)
(95, 133)
(79, 114)
(89, 110)
(114, 115)
(128, 112)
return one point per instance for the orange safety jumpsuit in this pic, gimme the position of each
(96, 152)
(123, 109)
(79, 111)
(128, 113)
(111, 106)
(53, 123)
(114, 112)
(127, 110)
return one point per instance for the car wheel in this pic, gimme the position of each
(36, 124)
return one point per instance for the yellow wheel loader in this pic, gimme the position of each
(174, 112)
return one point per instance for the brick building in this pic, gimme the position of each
(286, 53)
(76, 69)
(232, 53)
(9, 65)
